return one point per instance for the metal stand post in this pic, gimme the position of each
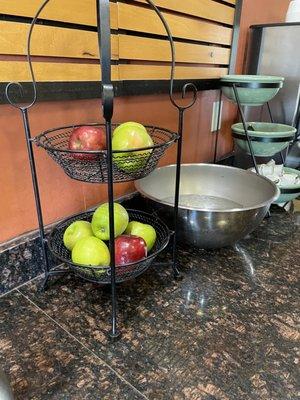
(177, 193)
(181, 109)
(245, 127)
(270, 113)
(103, 20)
(36, 194)
(114, 333)
(24, 112)
(272, 120)
(218, 127)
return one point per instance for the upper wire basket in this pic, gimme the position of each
(102, 275)
(128, 165)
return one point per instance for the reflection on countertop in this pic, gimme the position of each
(227, 331)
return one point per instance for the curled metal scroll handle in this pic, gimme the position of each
(188, 86)
(18, 84)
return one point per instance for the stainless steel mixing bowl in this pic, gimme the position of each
(218, 205)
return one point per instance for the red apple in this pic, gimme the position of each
(87, 138)
(129, 249)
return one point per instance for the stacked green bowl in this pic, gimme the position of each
(285, 197)
(263, 137)
(251, 96)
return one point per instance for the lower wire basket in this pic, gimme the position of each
(102, 275)
(128, 165)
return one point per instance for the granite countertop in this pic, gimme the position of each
(227, 331)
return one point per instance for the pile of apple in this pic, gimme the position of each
(127, 136)
(86, 241)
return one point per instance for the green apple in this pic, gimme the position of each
(91, 251)
(130, 136)
(129, 124)
(145, 231)
(100, 221)
(76, 231)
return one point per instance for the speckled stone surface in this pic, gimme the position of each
(20, 263)
(44, 362)
(229, 330)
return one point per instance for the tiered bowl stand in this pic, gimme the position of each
(236, 86)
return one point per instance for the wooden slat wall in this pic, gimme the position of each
(81, 12)
(139, 19)
(140, 48)
(50, 41)
(202, 31)
(53, 72)
(132, 72)
(208, 9)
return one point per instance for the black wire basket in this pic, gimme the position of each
(91, 167)
(102, 275)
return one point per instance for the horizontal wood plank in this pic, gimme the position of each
(62, 72)
(230, 1)
(207, 9)
(52, 72)
(77, 12)
(140, 48)
(140, 19)
(51, 41)
(162, 72)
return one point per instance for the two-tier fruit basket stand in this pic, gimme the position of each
(103, 167)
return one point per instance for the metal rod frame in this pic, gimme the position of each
(272, 120)
(248, 137)
(242, 115)
(104, 39)
(218, 127)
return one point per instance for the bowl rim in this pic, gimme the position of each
(293, 171)
(238, 209)
(238, 127)
(296, 185)
(252, 78)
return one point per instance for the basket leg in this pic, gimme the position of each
(45, 285)
(114, 333)
(176, 202)
(53, 273)
(36, 194)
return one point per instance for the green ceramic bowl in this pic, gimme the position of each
(286, 197)
(250, 96)
(264, 130)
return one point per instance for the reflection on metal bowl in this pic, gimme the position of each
(218, 205)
